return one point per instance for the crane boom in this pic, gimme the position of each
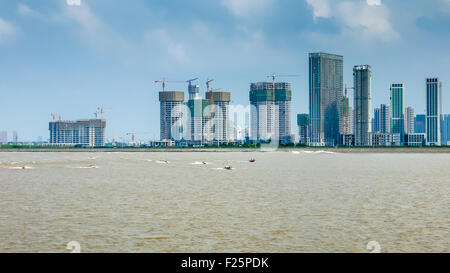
(164, 81)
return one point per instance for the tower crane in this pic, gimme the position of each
(190, 81)
(114, 140)
(164, 81)
(133, 134)
(211, 98)
(102, 109)
(54, 115)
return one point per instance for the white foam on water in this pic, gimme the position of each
(21, 168)
(200, 163)
(318, 152)
(162, 162)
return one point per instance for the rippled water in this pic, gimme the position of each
(172, 202)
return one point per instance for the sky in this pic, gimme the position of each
(71, 56)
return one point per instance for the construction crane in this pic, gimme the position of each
(114, 140)
(346, 109)
(164, 81)
(190, 81)
(54, 115)
(133, 134)
(102, 110)
(274, 77)
(211, 98)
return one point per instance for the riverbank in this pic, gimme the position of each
(283, 149)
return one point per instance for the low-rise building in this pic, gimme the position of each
(386, 139)
(416, 139)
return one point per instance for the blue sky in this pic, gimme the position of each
(69, 59)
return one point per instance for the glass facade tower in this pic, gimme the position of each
(326, 98)
(362, 77)
(398, 110)
(434, 111)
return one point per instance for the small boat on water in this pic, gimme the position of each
(252, 160)
(228, 167)
(204, 163)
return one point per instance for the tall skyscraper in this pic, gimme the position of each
(376, 120)
(434, 111)
(326, 107)
(269, 120)
(86, 132)
(221, 116)
(303, 128)
(420, 124)
(362, 77)
(3, 137)
(409, 120)
(171, 113)
(385, 119)
(398, 110)
(445, 130)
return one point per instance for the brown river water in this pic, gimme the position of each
(172, 202)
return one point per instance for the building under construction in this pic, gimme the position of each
(271, 113)
(87, 132)
(195, 129)
(171, 112)
(219, 105)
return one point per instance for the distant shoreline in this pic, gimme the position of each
(380, 150)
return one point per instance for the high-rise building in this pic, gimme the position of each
(196, 121)
(420, 124)
(3, 137)
(86, 132)
(351, 121)
(271, 121)
(376, 120)
(220, 131)
(385, 118)
(348, 118)
(409, 120)
(303, 128)
(398, 110)
(362, 77)
(434, 111)
(171, 113)
(326, 107)
(445, 130)
(15, 137)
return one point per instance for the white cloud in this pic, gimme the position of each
(83, 15)
(321, 8)
(367, 22)
(374, 2)
(362, 20)
(25, 10)
(246, 7)
(162, 39)
(7, 30)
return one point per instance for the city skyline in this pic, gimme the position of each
(90, 53)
